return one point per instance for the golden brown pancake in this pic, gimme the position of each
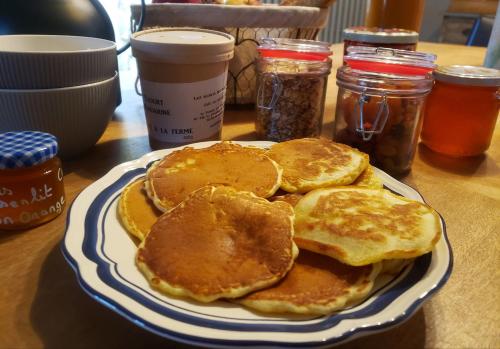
(136, 211)
(170, 180)
(217, 243)
(360, 226)
(311, 163)
(369, 179)
(316, 284)
(291, 198)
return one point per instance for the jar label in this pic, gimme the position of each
(25, 204)
(184, 112)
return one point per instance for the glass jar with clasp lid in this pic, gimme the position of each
(381, 96)
(292, 76)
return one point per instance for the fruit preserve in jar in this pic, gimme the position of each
(31, 179)
(380, 101)
(462, 110)
(400, 39)
(292, 76)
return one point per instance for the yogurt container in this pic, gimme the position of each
(183, 75)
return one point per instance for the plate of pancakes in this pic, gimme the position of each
(257, 244)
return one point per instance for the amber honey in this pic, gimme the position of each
(460, 118)
(30, 195)
(405, 14)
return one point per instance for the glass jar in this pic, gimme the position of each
(405, 14)
(292, 77)
(400, 39)
(31, 180)
(381, 97)
(462, 110)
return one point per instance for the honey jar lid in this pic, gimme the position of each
(182, 45)
(468, 75)
(381, 36)
(26, 148)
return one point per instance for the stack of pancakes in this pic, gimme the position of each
(224, 222)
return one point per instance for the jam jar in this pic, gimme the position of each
(31, 179)
(381, 97)
(400, 39)
(462, 110)
(291, 76)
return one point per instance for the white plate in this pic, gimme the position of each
(102, 254)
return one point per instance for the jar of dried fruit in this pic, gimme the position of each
(292, 77)
(381, 96)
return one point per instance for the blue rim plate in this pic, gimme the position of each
(102, 255)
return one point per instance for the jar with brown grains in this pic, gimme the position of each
(292, 79)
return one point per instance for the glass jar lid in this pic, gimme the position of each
(389, 60)
(380, 35)
(378, 84)
(26, 148)
(308, 50)
(468, 75)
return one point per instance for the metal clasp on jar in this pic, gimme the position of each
(277, 89)
(380, 118)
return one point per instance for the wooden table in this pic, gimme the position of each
(42, 305)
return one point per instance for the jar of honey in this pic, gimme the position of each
(381, 96)
(400, 39)
(405, 14)
(462, 110)
(31, 179)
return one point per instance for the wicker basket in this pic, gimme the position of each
(247, 24)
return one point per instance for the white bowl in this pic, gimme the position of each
(76, 115)
(54, 61)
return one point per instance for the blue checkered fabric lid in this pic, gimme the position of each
(26, 148)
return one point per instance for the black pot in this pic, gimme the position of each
(58, 17)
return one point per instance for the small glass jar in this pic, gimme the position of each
(292, 77)
(400, 39)
(462, 110)
(31, 180)
(380, 101)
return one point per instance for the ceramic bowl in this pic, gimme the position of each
(54, 61)
(76, 115)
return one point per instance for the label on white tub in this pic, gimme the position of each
(184, 112)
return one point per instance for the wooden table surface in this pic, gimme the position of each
(42, 305)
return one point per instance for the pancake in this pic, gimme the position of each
(170, 180)
(394, 266)
(137, 213)
(369, 179)
(291, 198)
(316, 284)
(218, 243)
(311, 163)
(360, 226)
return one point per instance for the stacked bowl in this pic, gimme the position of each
(64, 85)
